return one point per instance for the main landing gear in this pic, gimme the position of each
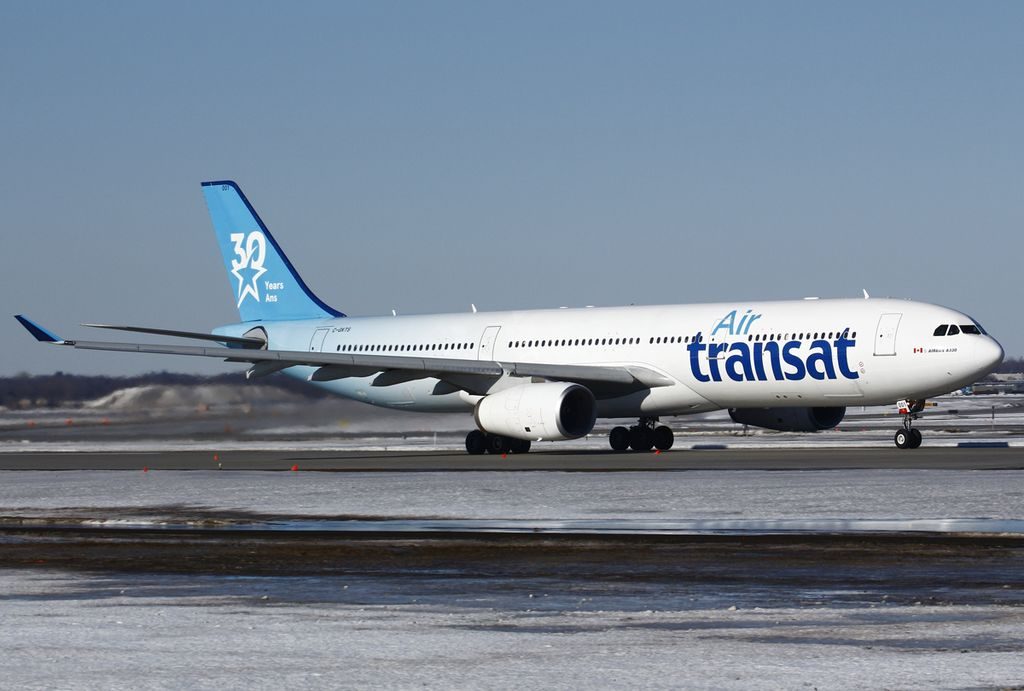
(478, 442)
(643, 436)
(908, 437)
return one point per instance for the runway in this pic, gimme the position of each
(780, 459)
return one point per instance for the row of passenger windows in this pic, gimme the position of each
(419, 347)
(811, 335)
(953, 329)
(549, 343)
(655, 340)
(591, 342)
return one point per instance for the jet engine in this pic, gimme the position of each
(789, 419)
(549, 411)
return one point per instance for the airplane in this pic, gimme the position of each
(549, 374)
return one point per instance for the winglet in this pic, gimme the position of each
(39, 332)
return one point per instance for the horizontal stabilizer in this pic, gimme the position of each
(197, 335)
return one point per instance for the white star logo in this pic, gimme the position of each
(250, 260)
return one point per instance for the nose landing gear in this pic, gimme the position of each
(908, 437)
(643, 436)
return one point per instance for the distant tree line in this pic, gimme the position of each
(51, 390)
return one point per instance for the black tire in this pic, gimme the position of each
(915, 439)
(497, 444)
(476, 442)
(663, 438)
(640, 439)
(902, 439)
(519, 445)
(618, 438)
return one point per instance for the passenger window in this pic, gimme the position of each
(953, 330)
(940, 330)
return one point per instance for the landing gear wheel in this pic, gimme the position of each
(497, 444)
(663, 438)
(618, 438)
(476, 442)
(519, 445)
(908, 437)
(641, 439)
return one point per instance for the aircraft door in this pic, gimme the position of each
(316, 344)
(885, 336)
(487, 341)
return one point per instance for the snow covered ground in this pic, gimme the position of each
(127, 632)
(366, 629)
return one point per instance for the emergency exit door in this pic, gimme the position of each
(885, 336)
(487, 340)
(316, 344)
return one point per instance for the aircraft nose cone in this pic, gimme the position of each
(990, 354)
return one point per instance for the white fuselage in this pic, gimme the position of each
(728, 355)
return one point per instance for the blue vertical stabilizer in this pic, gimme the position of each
(264, 283)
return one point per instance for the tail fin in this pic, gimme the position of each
(265, 284)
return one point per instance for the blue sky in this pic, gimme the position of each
(423, 156)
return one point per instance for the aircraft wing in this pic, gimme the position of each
(475, 376)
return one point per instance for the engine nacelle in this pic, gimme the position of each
(549, 411)
(789, 419)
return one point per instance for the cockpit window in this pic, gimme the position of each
(941, 330)
(969, 329)
(953, 330)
